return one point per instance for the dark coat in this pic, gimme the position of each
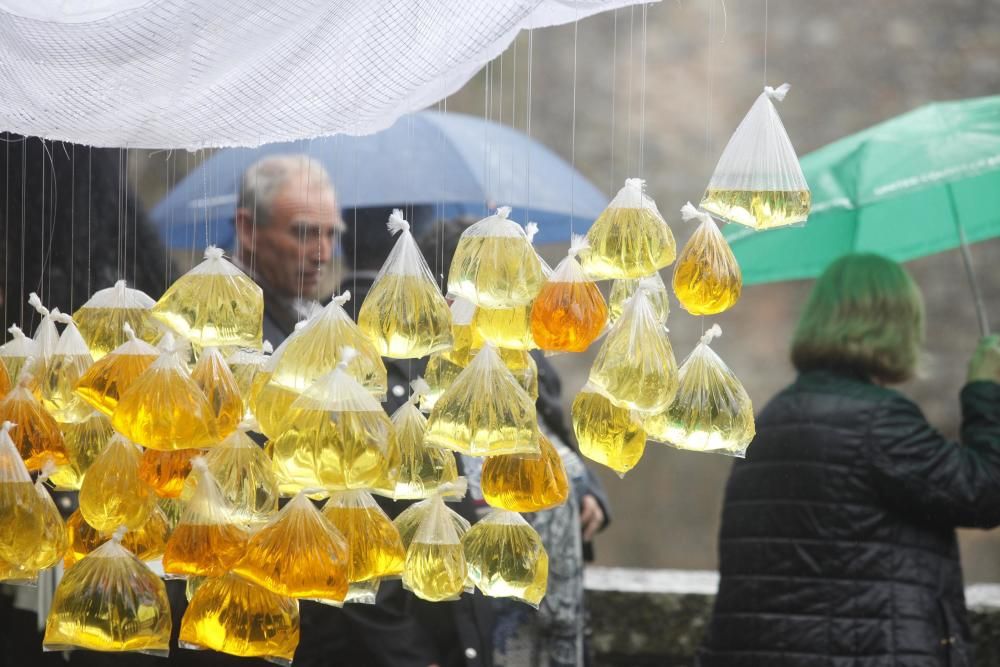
(837, 546)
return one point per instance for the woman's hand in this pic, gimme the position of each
(591, 517)
(985, 363)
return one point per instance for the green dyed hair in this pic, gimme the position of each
(865, 315)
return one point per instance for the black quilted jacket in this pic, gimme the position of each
(837, 546)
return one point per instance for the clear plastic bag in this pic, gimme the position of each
(69, 361)
(608, 434)
(84, 440)
(35, 433)
(495, 265)
(444, 366)
(635, 366)
(52, 541)
(707, 278)
(630, 239)
(234, 616)
(113, 494)
(405, 314)
(46, 335)
(109, 601)
(523, 483)
(508, 328)
(485, 411)
(166, 471)
(506, 558)
(102, 318)
(435, 567)
(104, 382)
(569, 312)
(220, 388)
(214, 304)
(206, 542)
(16, 353)
(711, 412)
(246, 365)
(244, 474)
(408, 521)
(375, 547)
(622, 290)
(21, 529)
(758, 181)
(147, 542)
(422, 468)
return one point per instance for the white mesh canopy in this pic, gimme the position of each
(200, 73)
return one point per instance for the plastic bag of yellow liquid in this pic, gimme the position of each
(408, 521)
(522, 483)
(46, 335)
(635, 366)
(69, 361)
(707, 278)
(435, 567)
(113, 493)
(15, 355)
(13, 574)
(22, 520)
(246, 365)
(506, 558)
(484, 412)
(214, 305)
(337, 437)
(608, 434)
(711, 412)
(147, 542)
(570, 312)
(758, 181)
(206, 542)
(234, 616)
(422, 468)
(5, 382)
(109, 601)
(244, 474)
(104, 382)
(166, 472)
(298, 553)
(35, 433)
(102, 318)
(164, 408)
(495, 265)
(405, 314)
(375, 547)
(52, 542)
(217, 382)
(505, 327)
(630, 239)
(623, 290)
(84, 440)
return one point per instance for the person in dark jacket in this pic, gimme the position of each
(837, 546)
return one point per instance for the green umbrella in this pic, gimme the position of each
(915, 185)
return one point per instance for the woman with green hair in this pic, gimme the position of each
(837, 546)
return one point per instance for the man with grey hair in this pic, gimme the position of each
(287, 221)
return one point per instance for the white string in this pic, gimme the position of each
(572, 174)
(614, 99)
(765, 42)
(72, 225)
(631, 53)
(527, 166)
(90, 184)
(642, 95)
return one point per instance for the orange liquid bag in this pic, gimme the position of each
(569, 313)
(104, 383)
(35, 433)
(165, 472)
(147, 542)
(523, 483)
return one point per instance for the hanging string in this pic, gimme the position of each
(90, 184)
(527, 129)
(765, 42)
(631, 56)
(135, 224)
(614, 98)
(24, 179)
(513, 112)
(572, 150)
(642, 96)
(41, 277)
(354, 289)
(72, 225)
(486, 135)
(6, 228)
(171, 177)
(708, 80)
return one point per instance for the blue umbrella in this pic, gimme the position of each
(462, 165)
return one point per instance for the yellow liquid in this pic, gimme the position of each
(622, 290)
(147, 542)
(606, 433)
(406, 317)
(760, 209)
(240, 618)
(568, 317)
(523, 483)
(272, 406)
(435, 572)
(53, 542)
(102, 328)
(505, 327)
(707, 279)
(35, 433)
(299, 554)
(113, 494)
(422, 469)
(217, 382)
(21, 523)
(628, 243)
(14, 366)
(495, 272)
(205, 550)
(109, 601)
(213, 310)
(165, 472)
(439, 373)
(61, 375)
(507, 561)
(244, 474)
(409, 521)
(104, 382)
(466, 341)
(5, 383)
(84, 441)
(15, 574)
(374, 545)
(246, 381)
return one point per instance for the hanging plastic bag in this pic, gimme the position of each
(623, 290)
(506, 558)
(217, 382)
(408, 521)
(246, 365)
(711, 412)
(166, 472)
(707, 278)
(608, 434)
(109, 601)
(244, 474)
(374, 545)
(84, 440)
(405, 314)
(523, 483)
(214, 304)
(69, 361)
(206, 541)
(147, 542)
(495, 265)
(630, 239)
(104, 383)
(338, 437)
(52, 540)
(484, 412)
(46, 334)
(102, 317)
(758, 181)
(16, 353)
(635, 366)
(422, 468)
(113, 494)
(237, 617)
(435, 567)
(569, 313)
(298, 553)
(21, 529)
(164, 408)
(444, 366)
(508, 328)
(35, 433)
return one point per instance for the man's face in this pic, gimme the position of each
(298, 241)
